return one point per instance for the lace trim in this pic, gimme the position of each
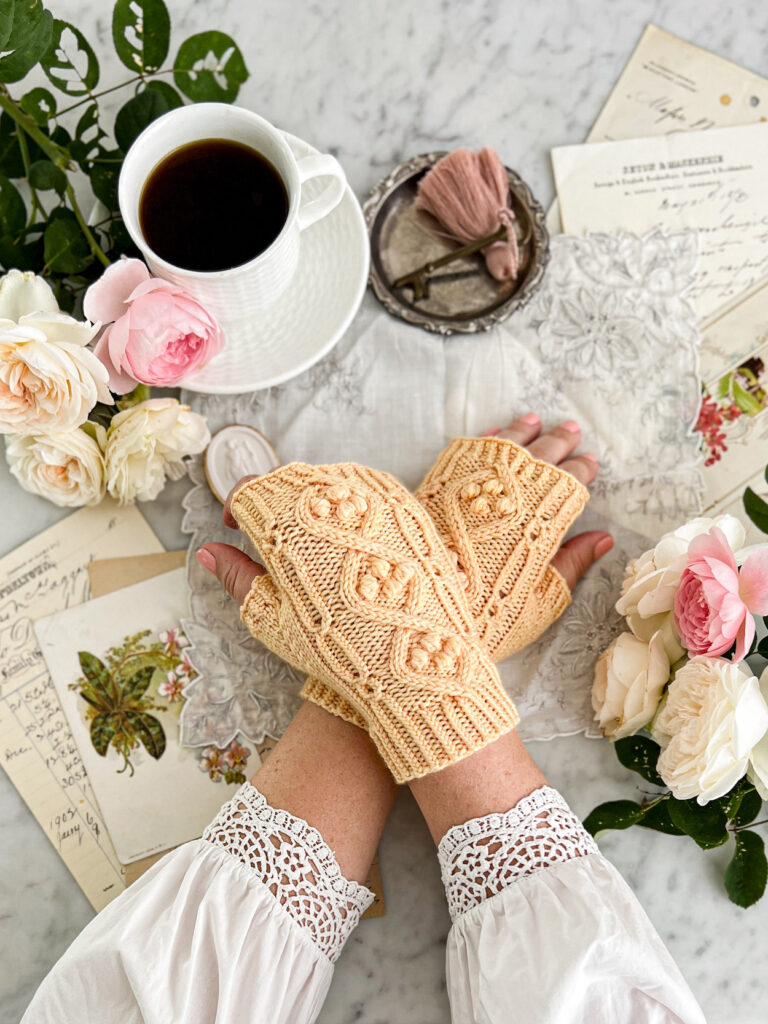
(295, 863)
(487, 855)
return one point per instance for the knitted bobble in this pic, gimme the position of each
(320, 507)
(504, 506)
(368, 587)
(419, 659)
(339, 492)
(493, 487)
(391, 590)
(403, 572)
(481, 506)
(379, 567)
(470, 491)
(346, 511)
(431, 642)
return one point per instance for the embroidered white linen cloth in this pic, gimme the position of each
(609, 340)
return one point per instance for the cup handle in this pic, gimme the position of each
(317, 166)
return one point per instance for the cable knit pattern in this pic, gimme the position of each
(487, 855)
(362, 594)
(502, 515)
(292, 859)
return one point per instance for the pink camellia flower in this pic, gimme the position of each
(158, 334)
(716, 601)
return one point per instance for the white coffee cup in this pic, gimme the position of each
(239, 292)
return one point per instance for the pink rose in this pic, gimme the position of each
(157, 335)
(715, 602)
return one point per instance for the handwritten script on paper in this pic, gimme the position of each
(37, 750)
(713, 182)
(670, 85)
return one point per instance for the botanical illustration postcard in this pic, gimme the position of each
(734, 412)
(120, 665)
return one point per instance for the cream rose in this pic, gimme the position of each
(67, 469)
(712, 719)
(147, 444)
(49, 380)
(23, 292)
(758, 758)
(630, 677)
(652, 580)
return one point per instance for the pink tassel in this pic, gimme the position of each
(469, 194)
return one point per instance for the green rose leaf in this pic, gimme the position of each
(658, 818)
(756, 509)
(6, 22)
(103, 729)
(40, 104)
(640, 754)
(65, 248)
(616, 814)
(149, 730)
(11, 163)
(749, 807)
(134, 116)
(70, 63)
(13, 213)
(705, 825)
(210, 66)
(21, 255)
(141, 32)
(762, 647)
(45, 176)
(746, 875)
(104, 172)
(168, 93)
(30, 38)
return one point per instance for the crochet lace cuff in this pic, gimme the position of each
(295, 863)
(487, 855)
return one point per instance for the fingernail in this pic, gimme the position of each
(531, 418)
(590, 456)
(571, 425)
(493, 431)
(603, 546)
(206, 559)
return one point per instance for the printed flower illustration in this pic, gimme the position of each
(172, 687)
(712, 417)
(174, 640)
(225, 763)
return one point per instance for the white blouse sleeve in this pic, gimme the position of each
(244, 924)
(546, 931)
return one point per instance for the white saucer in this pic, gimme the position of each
(310, 316)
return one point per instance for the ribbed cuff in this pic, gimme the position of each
(317, 692)
(418, 740)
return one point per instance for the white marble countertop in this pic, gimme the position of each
(374, 84)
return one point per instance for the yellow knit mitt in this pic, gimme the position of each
(502, 515)
(362, 595)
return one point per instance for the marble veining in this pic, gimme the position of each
(375, 84)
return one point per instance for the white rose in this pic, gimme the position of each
(67, 469)
(147, 443)
(713, 717)
(49, 380)
(630, 677)
(758, 759)
(652, 580)
(23, 292)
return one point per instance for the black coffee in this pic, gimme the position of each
(212, 205)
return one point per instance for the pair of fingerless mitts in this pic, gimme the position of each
(397, 606)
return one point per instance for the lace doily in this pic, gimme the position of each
(486, 855)
(609, 340)
(293, 860)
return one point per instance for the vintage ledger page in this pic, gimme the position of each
(45, 575)
(713, 182)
